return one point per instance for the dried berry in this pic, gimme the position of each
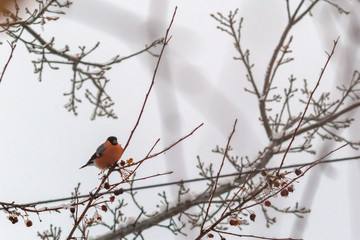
(119, 191)
(290, 189)
(104, 208)
(252, 217)
(28, 223)
(263, 173)
(72, 210)
(112, 198)
(129, 161)
(276, 184)
(106, 185)
(234, 222)
(298, 172)
(15, 220)
(284, 193)
(267, 203)
(122, 163)
(210, 235)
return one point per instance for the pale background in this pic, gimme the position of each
(42, 146)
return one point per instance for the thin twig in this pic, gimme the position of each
(148, 156)
(7, 63)
(165, 42)
(253, 236)
(307, 105)
(217, 178)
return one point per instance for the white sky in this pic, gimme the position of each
(42, 145)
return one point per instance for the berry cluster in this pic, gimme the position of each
(14, 219)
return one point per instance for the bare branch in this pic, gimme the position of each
(8, 61)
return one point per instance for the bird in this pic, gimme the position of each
(106, 155)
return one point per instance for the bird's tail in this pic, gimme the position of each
(83, 166)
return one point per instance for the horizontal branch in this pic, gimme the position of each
(322, 121)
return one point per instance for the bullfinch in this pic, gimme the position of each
(106, 154)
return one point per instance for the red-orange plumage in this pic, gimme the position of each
(110, 156)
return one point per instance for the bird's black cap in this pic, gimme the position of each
(112, 140)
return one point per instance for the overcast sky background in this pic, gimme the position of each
(42, 145)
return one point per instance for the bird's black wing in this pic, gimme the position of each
(97, 154)
(99, 151)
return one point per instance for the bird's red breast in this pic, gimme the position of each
(110, 156)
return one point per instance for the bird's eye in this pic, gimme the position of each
(114, 142)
